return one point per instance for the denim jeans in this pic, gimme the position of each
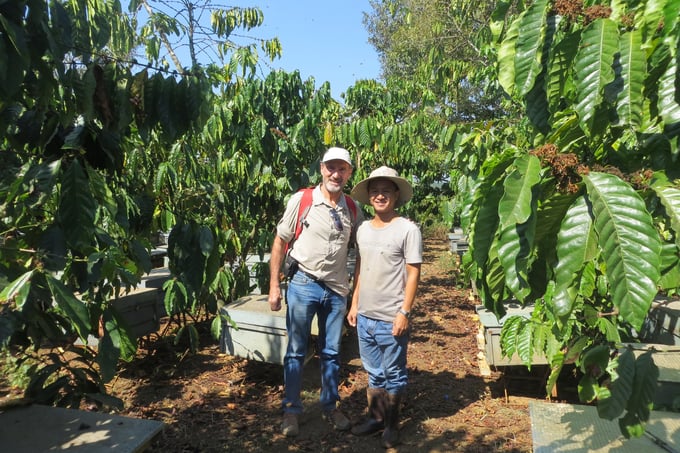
(382, 354)
(306, 298)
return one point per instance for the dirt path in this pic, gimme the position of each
(212, 402)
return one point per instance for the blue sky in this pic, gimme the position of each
(324, 39)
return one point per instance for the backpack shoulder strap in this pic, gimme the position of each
(303, 209)
(352, 208)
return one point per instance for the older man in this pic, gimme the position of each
(318, 285)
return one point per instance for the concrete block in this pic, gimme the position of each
(38, 428)
(575, 428)
(260, 333)
(139, 309)
(156, 278)
(663, 322)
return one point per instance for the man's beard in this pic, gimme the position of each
(332, 187)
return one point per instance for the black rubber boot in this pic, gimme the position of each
(375, 419)
(390, 437)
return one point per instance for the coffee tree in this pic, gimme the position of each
(99, 153)
(575, 208)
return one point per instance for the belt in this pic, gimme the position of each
(308, 275)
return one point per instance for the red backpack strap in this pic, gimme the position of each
(303, 209)
(352, 208)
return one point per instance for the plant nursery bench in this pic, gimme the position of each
(260, 334)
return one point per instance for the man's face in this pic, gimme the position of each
(383, 195)
(335, 174)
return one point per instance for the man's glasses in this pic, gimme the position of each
(336, 219)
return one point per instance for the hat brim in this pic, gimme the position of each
(360, 191)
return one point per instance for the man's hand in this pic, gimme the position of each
(399, 325)
(275, 299)
(352, 316)
(275, 262)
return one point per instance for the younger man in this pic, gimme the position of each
(389, 255)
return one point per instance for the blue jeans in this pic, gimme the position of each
(306, 298)
(382, 354)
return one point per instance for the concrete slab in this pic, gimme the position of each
(37, 429)
(559, 427)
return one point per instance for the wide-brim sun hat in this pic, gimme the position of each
(336, 153)
(360, 191)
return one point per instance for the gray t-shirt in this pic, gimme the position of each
(384, 254)
(321, 249)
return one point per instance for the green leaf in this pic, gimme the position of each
(631, 426)
(632, 74)
(18, 290)
(109, 347)
(77, 207)
(573, 242)
(514, 247)
(16, 36)
(594, 361)
(492, 290)
(530, 45)
(644, 385)
(525, 343)
(593, 67)
(609, 329)
(652, 18)
(515, 240)
(486, 223)
(587, 389)
(510, 333)
(556, 365)
(216, 327)
(580, 344)
(515, 206)
(671, 12)
(74, 309)
(506, 58)
(670, 267)
(640, 400)
(193, 338)
(14, 49)
(670, 198)
(559, 79)
(629, 242)
(84, 89)
(206, 240)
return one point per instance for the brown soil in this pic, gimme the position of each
(212, 402)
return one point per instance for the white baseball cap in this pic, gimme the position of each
(336, 153)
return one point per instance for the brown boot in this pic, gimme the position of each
(375, 419)
(390, 437)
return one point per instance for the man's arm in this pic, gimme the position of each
(275, 262)
(354, 308)
(400, 324)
